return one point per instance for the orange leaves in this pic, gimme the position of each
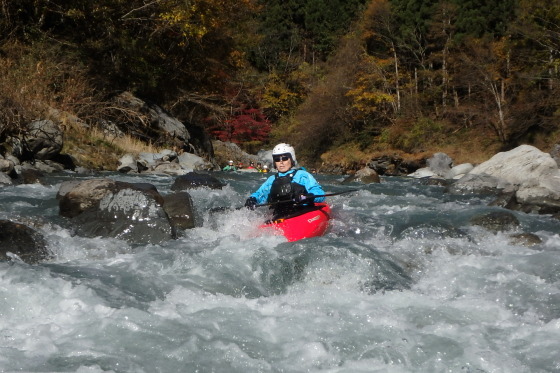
(194, 19)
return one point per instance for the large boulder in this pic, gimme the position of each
(20, 241)
(43, 139)
(533, 176)
(132, 212)
(157, 118)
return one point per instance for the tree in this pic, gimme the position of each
(246, 125)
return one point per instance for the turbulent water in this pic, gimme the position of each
(400, 283)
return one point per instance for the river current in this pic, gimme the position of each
(400, 283)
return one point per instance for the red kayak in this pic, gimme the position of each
(310, 221)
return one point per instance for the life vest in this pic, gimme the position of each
(284, 189)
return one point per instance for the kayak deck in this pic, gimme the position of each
(310, 221)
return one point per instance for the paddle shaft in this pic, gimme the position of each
(323, 195)
(216, 209)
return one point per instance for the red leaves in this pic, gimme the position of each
(247, 125)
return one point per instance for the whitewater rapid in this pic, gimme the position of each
(400, 283)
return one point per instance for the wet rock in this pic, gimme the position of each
(194, 180)
(437, 181)
(31, 176)
(129, 214)
(22, 241)
(496, 221)
(525, 239)
(180, 210)
(133, 212)
(65, 187)
(366, 175)
(83, 195)
(431, 231)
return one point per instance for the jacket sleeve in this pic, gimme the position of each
(311, 185)
(262, 193)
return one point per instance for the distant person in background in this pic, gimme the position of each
(264, 168)
(290, 184)
(251, 166)
(240, 165)
(230, 167)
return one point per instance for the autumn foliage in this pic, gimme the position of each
(321, 74)
(246, 125)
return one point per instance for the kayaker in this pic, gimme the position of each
(288, 184)
(230, 167)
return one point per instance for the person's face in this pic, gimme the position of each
(283, 162)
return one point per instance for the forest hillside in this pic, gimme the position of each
(342, 80)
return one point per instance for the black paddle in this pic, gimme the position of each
(217, 209)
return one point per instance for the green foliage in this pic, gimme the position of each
(415, 136)
(296, 31)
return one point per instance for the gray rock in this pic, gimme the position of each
(108, 208)
(533, 175)
(525, 239)
(496, 221)
(365, 175)
(180, 210)
(21, 241)
(194, 180)
(480, 184)
(459, 171)
(5, 179)
(43, 139)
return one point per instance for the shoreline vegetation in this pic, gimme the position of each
(366, 79)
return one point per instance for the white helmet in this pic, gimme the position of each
(285, 149)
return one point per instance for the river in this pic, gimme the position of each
(400, 283)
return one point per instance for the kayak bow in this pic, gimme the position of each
(310, 221)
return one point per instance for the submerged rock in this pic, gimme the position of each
(194, 180)
(19, 240)
(525, 239)
(496, 221)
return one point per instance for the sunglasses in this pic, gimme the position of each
(281, 158)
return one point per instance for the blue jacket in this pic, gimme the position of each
(301, 177)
